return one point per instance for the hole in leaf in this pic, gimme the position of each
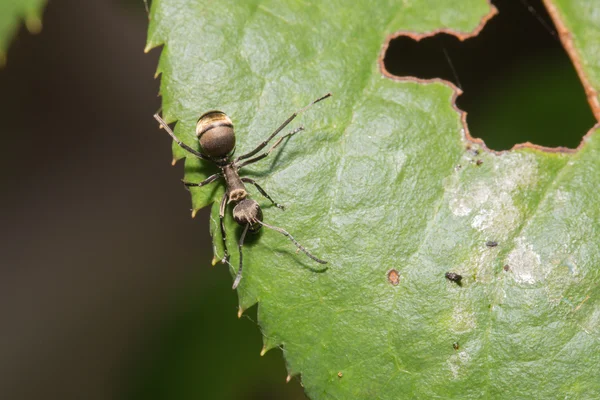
(518, 81)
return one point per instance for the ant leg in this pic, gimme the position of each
(281, 127)
(298, 245)
(208, 180)
(262, 191)
(265, 154)
(222, 224)
(238, 277)
(184, 146)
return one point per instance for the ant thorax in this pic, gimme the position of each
(236, 190)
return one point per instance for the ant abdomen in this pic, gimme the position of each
(248, 212)
(215, 133)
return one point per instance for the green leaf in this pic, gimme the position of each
(11, 14)
(385, 177)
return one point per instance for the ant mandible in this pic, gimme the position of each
(217, 142)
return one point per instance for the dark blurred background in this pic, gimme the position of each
(106, 289)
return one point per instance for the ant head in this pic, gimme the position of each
(215, 133)
(248, 212)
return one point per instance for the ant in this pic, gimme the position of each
(217, 142)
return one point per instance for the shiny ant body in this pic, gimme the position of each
(217, 142)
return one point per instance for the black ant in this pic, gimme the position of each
(217, 141)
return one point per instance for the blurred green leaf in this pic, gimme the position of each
(384, 178)
(12, 12)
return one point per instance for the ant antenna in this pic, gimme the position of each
(452, 67)
(280, 128)
(298, 245)
(314, 102)
(539, 18)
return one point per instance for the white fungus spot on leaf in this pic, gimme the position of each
(562, 197)
(465, 198)
(498, 217)
(591, 321)
(463, 319)
(490, 200)
(525, 263)
(457, 362)
(516, 171)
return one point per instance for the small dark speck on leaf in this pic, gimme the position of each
(454, 277)
(507, 267)
(479, 162)
(455, 345)
(340, 374)
(491, 244)
(474, 151)
(393, 277)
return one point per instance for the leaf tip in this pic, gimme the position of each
(33, 24)
(240, 312)
(288, 379)
(263, 351)
(194, 212)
